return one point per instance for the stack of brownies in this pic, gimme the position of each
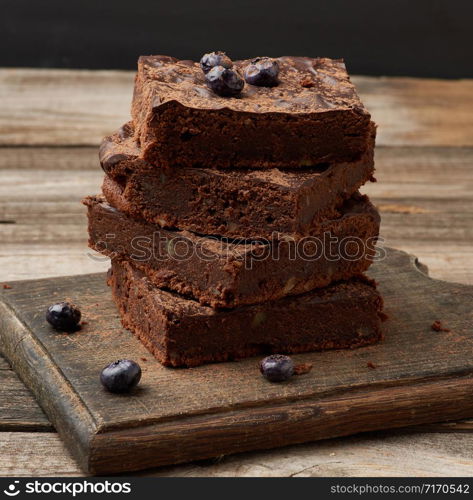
(233, 217)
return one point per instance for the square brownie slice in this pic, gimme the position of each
(312, 116)
(235, 203)
(226, 273)
(181, 332)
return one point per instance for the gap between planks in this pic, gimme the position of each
(374, 454)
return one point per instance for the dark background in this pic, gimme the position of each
(429, 38)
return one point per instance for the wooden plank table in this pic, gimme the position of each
(51, 122)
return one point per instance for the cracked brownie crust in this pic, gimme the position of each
(313, 116)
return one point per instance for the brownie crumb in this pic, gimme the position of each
(438, 327)
(84, 322)
(303, 368)
(307, 83)
(383, 316)
(371, 365)
(144, 359)
(6, 287)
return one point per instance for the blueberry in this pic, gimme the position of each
(121, 376)
(224, 82)
(277, 368)
(63, 316)
(213, 59)
(263, 72)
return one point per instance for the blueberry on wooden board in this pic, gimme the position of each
(262, 72)
(63, 316)
(277, 368)
(224, 82)
(213, 59)
(121, 376)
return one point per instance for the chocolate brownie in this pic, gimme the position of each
(312, 116)
(226, 273)
(230, 202)
(181, 332)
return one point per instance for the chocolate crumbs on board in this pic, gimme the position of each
(6, 287)
(383, 316)
(371, 365)
(303, 368)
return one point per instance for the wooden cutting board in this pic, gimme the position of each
(177, 415)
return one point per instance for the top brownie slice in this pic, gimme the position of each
(312, 116)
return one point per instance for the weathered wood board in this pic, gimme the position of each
(421, 376)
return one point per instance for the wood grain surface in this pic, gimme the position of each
(423, 160)
(51, 107)
(420, 376)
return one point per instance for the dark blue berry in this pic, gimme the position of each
(213, 59)
(277, 368)
(263, 72)
(63, 316)
(121, 376)
(224, 82)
